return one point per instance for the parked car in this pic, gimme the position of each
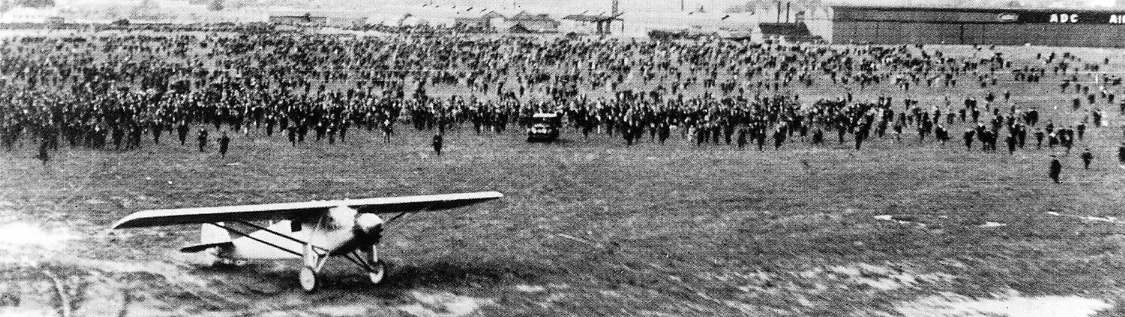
(544, 127)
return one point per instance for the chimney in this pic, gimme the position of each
(779, 12)
(787, 11)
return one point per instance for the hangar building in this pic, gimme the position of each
(1017, 26)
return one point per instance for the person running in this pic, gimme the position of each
(1087, 158)
(1121, 154)
(224, 143)
(1055, 169)
(437, 144)
(43, 156)
(202, 138)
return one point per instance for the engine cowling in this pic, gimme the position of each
(368, 228)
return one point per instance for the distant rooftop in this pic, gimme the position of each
(525, 16)
(996, 9)
(589, 17)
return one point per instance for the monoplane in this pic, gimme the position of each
(311, 231)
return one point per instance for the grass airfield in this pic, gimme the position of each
(591, 227)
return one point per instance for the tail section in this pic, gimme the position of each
(210, 236)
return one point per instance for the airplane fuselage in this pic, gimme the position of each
(334, 233)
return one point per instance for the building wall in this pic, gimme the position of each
(299, 20)
(578, 27)
(960, 27)
(347, 21)
(1078, 35)
(540, 25)
(477, 23)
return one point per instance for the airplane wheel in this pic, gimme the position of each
(220, 262)
(380, 271)
(227, 263)
(307, 278)
(211, 257)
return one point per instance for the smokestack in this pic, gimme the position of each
(787, 11)
(779, 12)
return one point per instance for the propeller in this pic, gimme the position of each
(368, 228)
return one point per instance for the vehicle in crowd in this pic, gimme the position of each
(544, 127)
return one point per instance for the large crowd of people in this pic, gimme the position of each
(125, 90)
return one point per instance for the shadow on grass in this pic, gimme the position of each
(400, 278)
(559, 141)
(460, 273)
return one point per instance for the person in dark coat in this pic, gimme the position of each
(1121, 153)
(1055, 170)
(1087, 157)
(1038, 138)
(183, 132)
(860, 135)
(291, 133)
(157, 129)
(202, 138)
(665, 130)
(968, 136)
(437, 144)
(224, 143)
(741, 138)
(388, 130)
(778, 139)
(43, 156)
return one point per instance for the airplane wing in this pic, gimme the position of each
(168, 217)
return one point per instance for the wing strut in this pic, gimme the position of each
(396, 217)
(246, 235)
(287, 237)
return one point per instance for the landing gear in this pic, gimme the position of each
(376, 269)
(218, 257)
(359, 249)
(377, 272)
(312, 262)
(212, 258)
(307, 277)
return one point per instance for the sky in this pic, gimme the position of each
(675, 4)
(439, 11)
(633, 5)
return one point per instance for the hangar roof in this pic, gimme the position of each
(979, 9)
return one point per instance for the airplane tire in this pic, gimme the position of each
(307, 277)
(379, 272)
(212, 258)
(221, 263)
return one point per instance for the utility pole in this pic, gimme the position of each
(787, 11)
